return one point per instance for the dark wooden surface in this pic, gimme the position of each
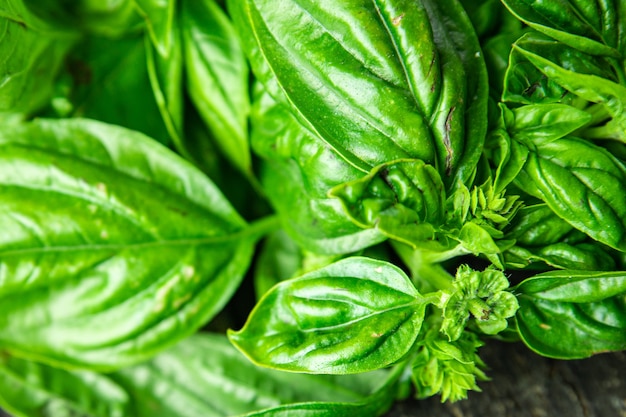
(524, 384)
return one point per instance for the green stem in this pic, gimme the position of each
(610, 130)
(426, 270)
(263, 226)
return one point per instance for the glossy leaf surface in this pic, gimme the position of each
(204, 375)
(160, 16)
(403, 199)
(135, 248)
(583, 184)
(32, 389)
(588, 77)
(402, 85)
(217, 77)
(355, 315)
(298, 173)
(573, 314)
(593, 26)
(165, 63)
(29, 62)
(109, 18)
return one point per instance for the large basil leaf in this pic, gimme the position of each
(592, 26)
(29, 62)
(32, 389)
(112, 247)
(204, 375)
(299, 172)
(573, 314)
(217, 77)
(355, 315)
(584, 185)
(408, 82)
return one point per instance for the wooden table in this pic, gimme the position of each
(524, 384)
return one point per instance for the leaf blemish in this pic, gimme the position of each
(545, 326)
(446, 140)
(397, 20)
(188, 271)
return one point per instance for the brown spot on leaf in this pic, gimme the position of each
(397, 20)
(446, 141)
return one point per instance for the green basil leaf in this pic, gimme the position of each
(299, 171)
(575, 286)
(165, 72)
(403, 199)
(165, 63)
(590, 78)
(112, 246)
(355, 315)
(26, 13)
(591, 26)
(541, 123)
(110, 18)
(497, 50)
(508, 156)
(584, 185)
(525, 83)
(205, 375)
(477, 240)
(202, 375)
(537, 225)
(31, 389)
(581, 256)
(373, 406)
(217, 77)
(382, 93)
(573, 314)
(160, 17)
(30, 62)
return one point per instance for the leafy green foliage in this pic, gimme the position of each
(573, 314)
(354, 315)
(369, 147)
(187, 371)
(95, 249)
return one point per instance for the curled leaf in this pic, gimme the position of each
(403, 199)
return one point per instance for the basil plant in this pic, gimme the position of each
(297, 207)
